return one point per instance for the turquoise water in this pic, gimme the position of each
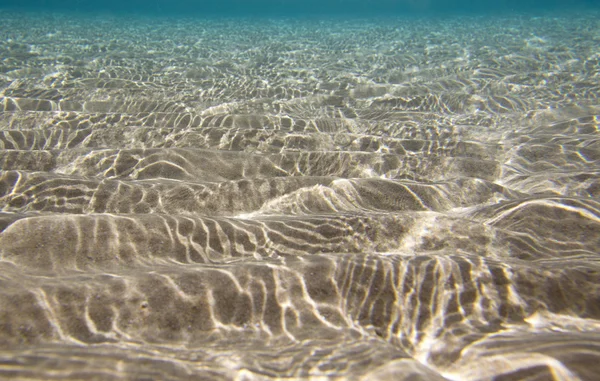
(299, 190)
(293, 8)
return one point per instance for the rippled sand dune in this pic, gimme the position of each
(300, 199)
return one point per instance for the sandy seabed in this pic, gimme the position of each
(255, 199)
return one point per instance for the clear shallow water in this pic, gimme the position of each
(242, 198)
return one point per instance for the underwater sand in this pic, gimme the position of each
(254, 199)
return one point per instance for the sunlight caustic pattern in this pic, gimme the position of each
(300, 199)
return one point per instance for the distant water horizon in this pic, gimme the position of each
(295, 8)
(317, 190)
